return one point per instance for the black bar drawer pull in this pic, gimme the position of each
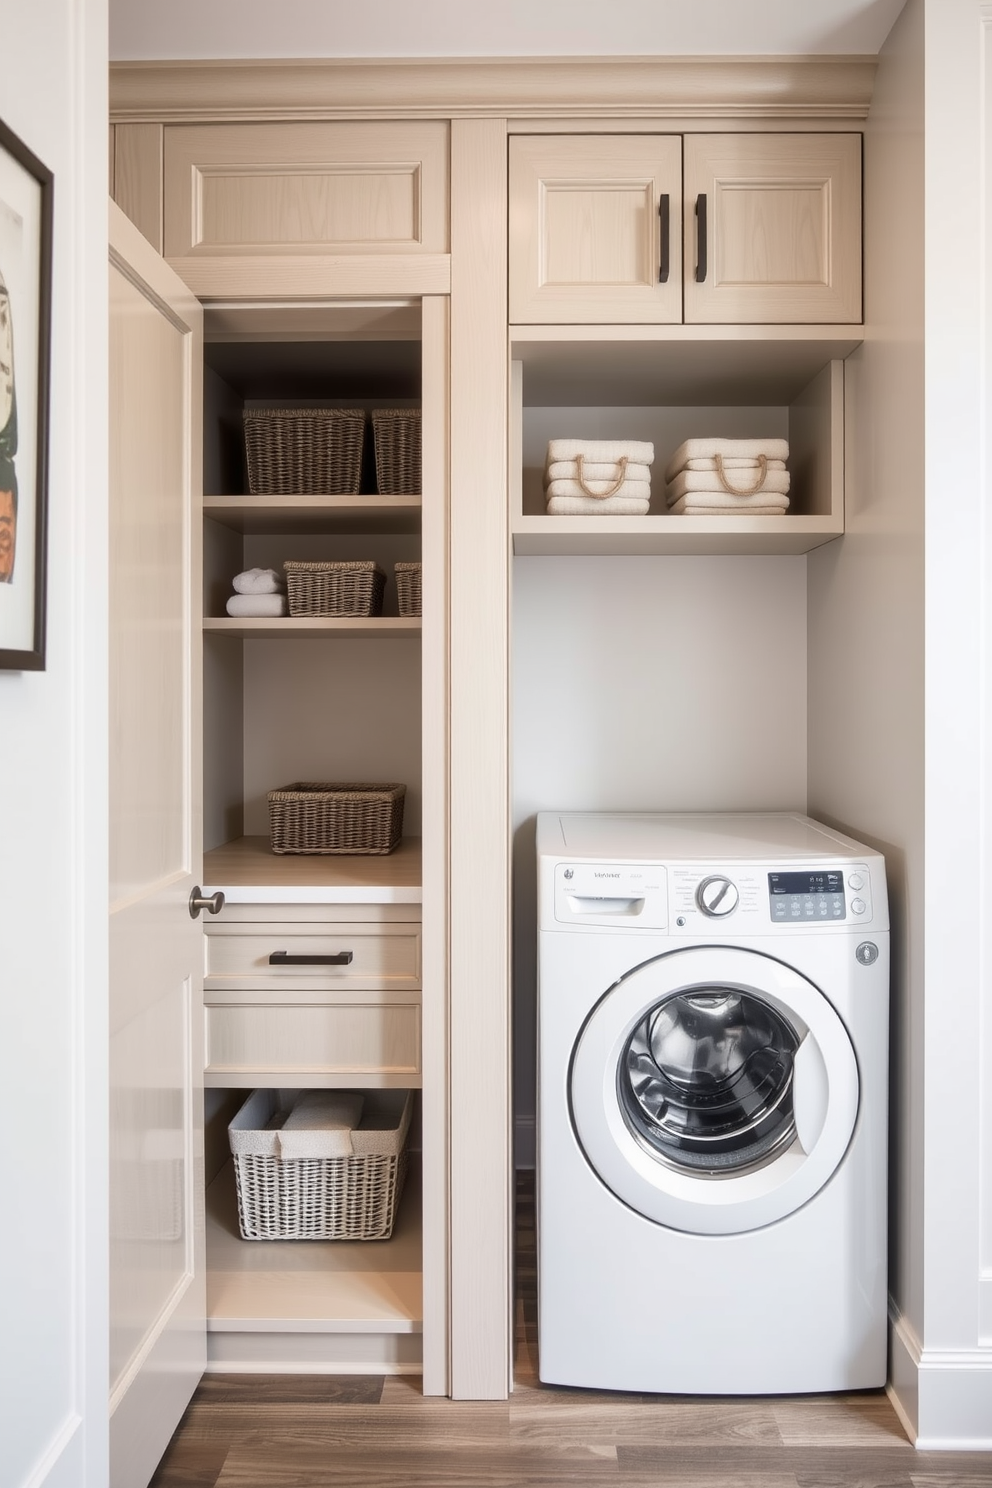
(283, 958)
(701, 238)
(664, 214)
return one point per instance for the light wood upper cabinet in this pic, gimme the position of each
(595, 228)
(307, 188)
(707, 228)
(772, 228)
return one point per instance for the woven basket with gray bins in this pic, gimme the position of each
(304, 451)
(328, 589)
(408, 588)
(397, 439)
(316, 816)
(347, 1191)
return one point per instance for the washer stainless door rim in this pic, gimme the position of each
(719, 1200)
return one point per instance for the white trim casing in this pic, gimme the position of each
(943, 1397)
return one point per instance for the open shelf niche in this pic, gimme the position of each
(667, 384)
(308, 698)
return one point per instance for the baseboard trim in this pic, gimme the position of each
(943, 1397)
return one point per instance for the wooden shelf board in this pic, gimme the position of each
(312, 1286)
(395, 627)
(263, 514)
(648, 366)
(248, 871)
(649, 536)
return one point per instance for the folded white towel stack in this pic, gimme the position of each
(598, 477)
(257, 606)
(710, 477)
(259, 594)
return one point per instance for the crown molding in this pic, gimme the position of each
(649, 88)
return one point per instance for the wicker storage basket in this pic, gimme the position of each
(313, 816)
(304, 451)
(334, 588)
(408, 588)
(396, 433)
(319, 1198)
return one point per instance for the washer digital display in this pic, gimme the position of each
(806, 898)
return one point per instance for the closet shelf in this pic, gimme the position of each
(315, 628)
(301, 514)
(651, 536)
(249, 872)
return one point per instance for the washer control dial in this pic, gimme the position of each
(717, 896)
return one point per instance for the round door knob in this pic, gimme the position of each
(717, 896)
(198, 900)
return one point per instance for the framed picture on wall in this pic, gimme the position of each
(25, 339)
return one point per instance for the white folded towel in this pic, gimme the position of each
(259, 581)
(740, 449)
(600, 450)
(595, 470)
(775, 481)
(320, 1124)
(588, 506)
(693, 506)
(630, 490)
(256, 606)
(733, 462)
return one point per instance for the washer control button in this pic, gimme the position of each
(858, 906)
(856, 881)
(867, 953)
(717, 896)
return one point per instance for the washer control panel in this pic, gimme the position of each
(704, 900)
(813, 896)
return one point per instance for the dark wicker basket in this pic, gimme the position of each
(409, 588)
(324, 817)
(334, 588)
(304, 451)
(396, 432)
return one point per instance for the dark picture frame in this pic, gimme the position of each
(26, 217)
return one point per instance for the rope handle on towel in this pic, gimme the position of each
(602, 495)
(748, 490)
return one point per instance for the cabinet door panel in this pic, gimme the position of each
(783, 228)
(587, 232)
(306, 188)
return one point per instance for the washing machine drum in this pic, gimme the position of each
(714, 1090)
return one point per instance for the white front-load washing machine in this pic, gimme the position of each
(712, 1097)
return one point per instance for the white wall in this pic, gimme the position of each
(53, 861)
(514, 28)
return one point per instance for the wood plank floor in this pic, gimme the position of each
(279, 1431)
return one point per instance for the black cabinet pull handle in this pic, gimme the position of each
(664, 214)
(283, 958)
(701, 238)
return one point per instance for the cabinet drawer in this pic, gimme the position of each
(380, 955)
(336, 1043)
(317, 188)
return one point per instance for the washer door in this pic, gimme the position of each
(714, 1090)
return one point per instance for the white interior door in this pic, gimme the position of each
(157, 1309)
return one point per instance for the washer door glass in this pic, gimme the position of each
(715, 1089)
(705, 1081)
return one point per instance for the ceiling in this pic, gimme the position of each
(186, 29)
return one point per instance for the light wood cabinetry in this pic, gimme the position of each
(652, 228)
(595, 228)
(772, 228)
